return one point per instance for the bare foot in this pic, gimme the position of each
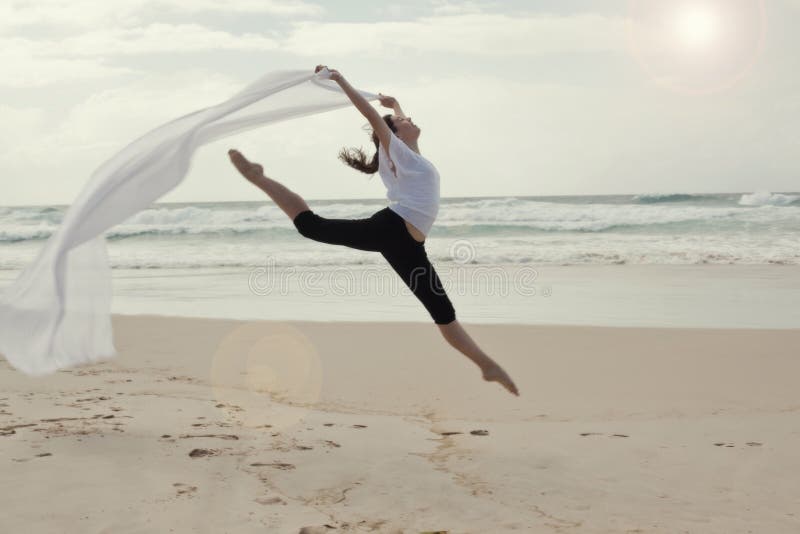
(251, 171)
(497, 374)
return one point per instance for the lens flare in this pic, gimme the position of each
(266, 375)
(696, 46)
(697, 27)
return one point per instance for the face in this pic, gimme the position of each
(406, 129)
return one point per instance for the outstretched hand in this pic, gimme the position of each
(335, 76)
(387, 101)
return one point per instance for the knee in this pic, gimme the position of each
(445, 319)
(305, 222)
(444, 314)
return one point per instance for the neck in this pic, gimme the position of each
(413, 145)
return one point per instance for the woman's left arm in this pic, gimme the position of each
(366, 109)
(359, 101)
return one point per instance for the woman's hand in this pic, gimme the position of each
(387, 101)
(335, 76)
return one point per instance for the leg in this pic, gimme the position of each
(361, 234)
(290, 202)
(412, 264)
(455, 334)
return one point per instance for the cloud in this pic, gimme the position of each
(288, 8)
(39, 148)
(36, 63)
(33, 63)
(478, 34)
(118, 115)
(19, 124)
(451, 7)
(154, 38)
(127, 13)
(22, 68)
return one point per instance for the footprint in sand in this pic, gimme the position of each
(232, 407)
(89, 399)
(269, 500)
(185, 489)
(41, 455)
(221, 436)
(199, 453)
(276, 465)
(324, 529)
(473, 432)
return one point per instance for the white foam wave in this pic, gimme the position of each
(553, 216)
(765, 198)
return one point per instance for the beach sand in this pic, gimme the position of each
(211, 425)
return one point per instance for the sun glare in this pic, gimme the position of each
(697, 46)
(697, 27)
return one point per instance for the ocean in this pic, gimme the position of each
(179, 258)
(758, 228)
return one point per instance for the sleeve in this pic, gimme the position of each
(402, 156)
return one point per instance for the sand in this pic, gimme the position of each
(209, 425)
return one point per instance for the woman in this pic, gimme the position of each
(398, 232)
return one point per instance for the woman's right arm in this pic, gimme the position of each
(392, 103)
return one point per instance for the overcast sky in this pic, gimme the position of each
(517, 97)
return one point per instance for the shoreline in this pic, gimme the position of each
(465, 323)
(682, 296)
(708, 296)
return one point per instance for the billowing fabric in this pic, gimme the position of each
(412, 184)
(56, 314)
(385, 232)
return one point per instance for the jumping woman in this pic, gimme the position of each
(398, 231)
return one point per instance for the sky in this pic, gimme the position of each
(514, 98)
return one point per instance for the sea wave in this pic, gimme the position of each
(488, 252)
(21, 233)
(765, 198)
(205, 231)
(657, 198)
(474, 217)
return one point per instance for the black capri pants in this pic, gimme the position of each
(385, 232)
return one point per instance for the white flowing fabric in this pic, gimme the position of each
(57, 313)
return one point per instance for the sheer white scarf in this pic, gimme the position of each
(57, 313)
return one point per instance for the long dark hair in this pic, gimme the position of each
(355, 157)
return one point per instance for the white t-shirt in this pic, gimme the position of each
(412, 184)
